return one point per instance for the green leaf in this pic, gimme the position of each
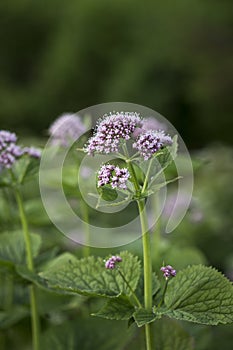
(116, 309)
(5, 178)
(13, 315)
(12, 247)
(168, 154)
(87, 334)
(157, 187)
(153, 169)
(143, 316)
(200, 294)
(25, 168)
(107, 193)
(89, 276)
(168, 334)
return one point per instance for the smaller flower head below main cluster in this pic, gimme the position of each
(111, 262)
(110, 130)
(168, 271)
(10, 152)
(110, 174)
(66, 129)
(151, 141)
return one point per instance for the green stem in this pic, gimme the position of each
(147, 175)
(130, 288)
(156, 235)
(164, 292)
(85, 216)
(147, 266)
(30, 265)
(9, 292)
(132, 171)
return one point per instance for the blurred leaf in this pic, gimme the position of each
(180, 256)
(36, 212)
(168, 334)
(200, 294)
(25, 168)
(12, 247)
(5, 178)
(116, 309)
(87, 334)
(13, 315)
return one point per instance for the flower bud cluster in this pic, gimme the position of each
(111, 263)
(168, 271)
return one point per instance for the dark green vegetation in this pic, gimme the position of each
(175, 58)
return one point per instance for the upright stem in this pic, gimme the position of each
(147, 265)
(30, 265)
(156, 234)
(85, 216)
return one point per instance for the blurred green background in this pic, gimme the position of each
(174, 57)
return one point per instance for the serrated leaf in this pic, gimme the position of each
(200, 294)
(168, 334)
(116, 309)
(12, 247)
(143, 316)
(89, 276)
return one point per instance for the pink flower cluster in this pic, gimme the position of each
(10, 152)
(113, 175)
(110, 130)
(149, 142)
(168, 271)
(111, 263)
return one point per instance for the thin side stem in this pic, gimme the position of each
(32, 290)
(147, 175)
(164, 292)
(147, 266)
(131, 170)
(130, 288)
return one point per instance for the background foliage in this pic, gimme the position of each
(61, 56)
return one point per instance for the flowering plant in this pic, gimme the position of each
(131, 288)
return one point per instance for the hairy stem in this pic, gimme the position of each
(32, 290)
